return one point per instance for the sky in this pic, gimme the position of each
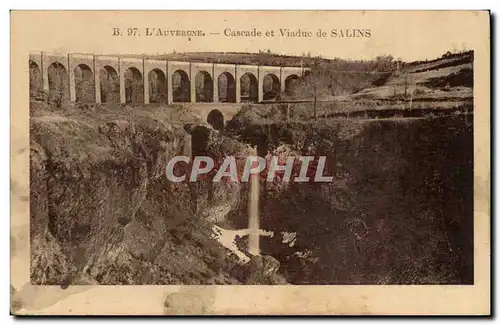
(407, 35)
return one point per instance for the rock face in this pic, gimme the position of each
(101, 204)
(376, 222)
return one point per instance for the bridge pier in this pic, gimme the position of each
(146, 88)
(121, 75)
(97, 82)
(193, 92)
(238, 90)
(215, 96)
(45, 75)
(72, 90)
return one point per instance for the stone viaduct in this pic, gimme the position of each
(107, 79)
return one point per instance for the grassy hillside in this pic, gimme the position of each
(446, 83)
(447, 78)
(339, 77)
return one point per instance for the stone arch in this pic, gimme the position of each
(291, 84)
(204, 87)
(226, 88)
(216, 119)
(58, 82)
(157, 86)
(181, 87)
(35, 78)
(249, 88)
(271, 87)
(84, 84)
(109, 85)
(134, 86)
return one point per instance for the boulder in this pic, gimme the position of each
(262, 270)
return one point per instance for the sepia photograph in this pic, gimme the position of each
(266, 160)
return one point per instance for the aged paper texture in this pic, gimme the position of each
(250, 162)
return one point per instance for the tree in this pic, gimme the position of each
(383, 62)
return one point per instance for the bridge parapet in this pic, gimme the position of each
(288, 74)
(36, 57)
(136, 67)
(35, 72)
(207, 70)
(264, 71)
(150, 65)
(220, 68)
(83, 61)
(232, 82)
(252, 71)
(111, 68)
(103, 61)
(183, 70)
(56, 59)
(159, 68)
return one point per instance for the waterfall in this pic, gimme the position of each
(253, 213)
